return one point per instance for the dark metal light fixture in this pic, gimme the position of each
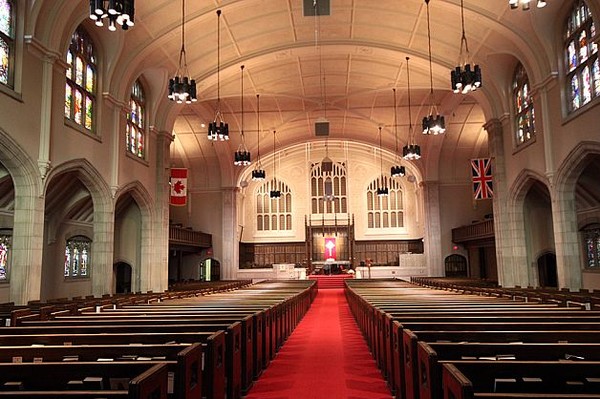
(396, 170)
(258, 173)
(274, 194)
(433, 123)
(411, 151)
(525, 4)
(218, 130)
(464, 79)
(182, 89)
(381, 191)
(118, 12)
(242, 155)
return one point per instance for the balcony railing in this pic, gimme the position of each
(179, 235)
(475, 231)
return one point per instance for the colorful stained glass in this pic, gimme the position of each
(67, 261)
(596, 75)
(583, 46)
(135, 121)
(89, 79)
(4, 61)
(79, 71)
(84, 261)
(587, 85)
(89, 112)
(140, 122)
(592, 34)
(78, 114)
(5, 244)
(132, 141)
(525, 127)
(75, 262)
(6, 18)
(572, 56)
(140, 149)
(69, 72)
(68, 100)
(575, 94)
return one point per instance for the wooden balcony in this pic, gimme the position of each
(181, 236)
(476, 231)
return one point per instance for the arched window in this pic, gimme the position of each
(77, 257)
(524, 113)
(273, 214)
(328, 188)
(591, 241)
(80, 89)
(136, 126)
(7, 41)
(385, 212)
(5, 255)
(581, 57)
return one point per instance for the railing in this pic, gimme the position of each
(179, 235)
(475, 231)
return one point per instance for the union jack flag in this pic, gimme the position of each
(482, 178)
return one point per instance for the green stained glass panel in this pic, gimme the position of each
(79, 71)
(89, 79)
(78, 114)
(4, 61)
(68, 100)
(89, 112)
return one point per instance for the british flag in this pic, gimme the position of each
(482, 178)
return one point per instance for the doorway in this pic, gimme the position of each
(547, 270)
(122, 272)
(456, 266)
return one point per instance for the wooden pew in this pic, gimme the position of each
(213, 371)
(431, 357)
(465, 379)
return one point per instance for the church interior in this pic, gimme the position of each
(396, 154)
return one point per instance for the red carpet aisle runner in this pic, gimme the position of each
(326, 357)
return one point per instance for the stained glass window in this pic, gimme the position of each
(135, 121)
(524, 113)
(7, 41)
(385, 211)
(274, 214)
(591, 241)
(328, 188)
(81, 80)
(581, 57)
(5, 255)
(77, 256)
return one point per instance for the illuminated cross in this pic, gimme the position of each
(330, 245)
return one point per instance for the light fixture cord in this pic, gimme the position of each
(410, 127)
(274, 161)
(463, 41)
(380, 153)
(242, 101)
(432, 105)
(258, 128)
(219, 61)
(182, 56)
(395, 121)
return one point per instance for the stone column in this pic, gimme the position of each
(566, 238)
(507, 273)
(433, 232)
(103, 249)
(230, 242)
(156, 273)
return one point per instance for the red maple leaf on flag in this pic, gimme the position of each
(178, 187)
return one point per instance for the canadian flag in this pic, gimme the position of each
(178, 186)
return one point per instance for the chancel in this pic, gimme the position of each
(411, 184)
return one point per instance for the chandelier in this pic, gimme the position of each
(258, 173)
(396, 170)
(463, 78)
(525, 4)
(274, 194)
(433, 123)
(381, 191)
(242, 155)
(218, 130)
(181, 87)
(411, 151)
(118, 12)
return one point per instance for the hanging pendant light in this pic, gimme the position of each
(396, 170)
(433, 123)
(382, 189)
(242, 155)
(218, 130)
(514, 4)
(118, 12)
(258, 173)
(274, 193)
(182, 89)
(464, 79)
(411, 151)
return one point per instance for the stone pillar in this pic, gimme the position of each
(433, 232)
(230, 243)
(103, 249)
(507, 268)
(156, 273)
(566, 239)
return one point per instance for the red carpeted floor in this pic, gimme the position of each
(326, 357)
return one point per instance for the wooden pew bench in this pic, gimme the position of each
(464, 379)
(213, 345)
